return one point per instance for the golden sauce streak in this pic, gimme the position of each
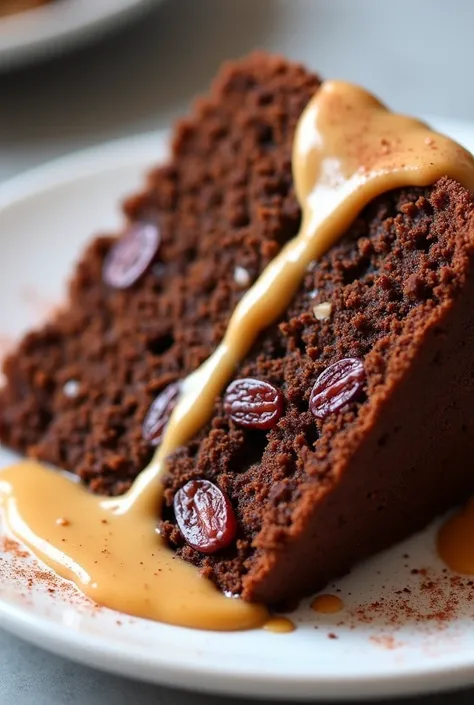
(279, 625)
(327, 604)
(348, 149)
(456, 540)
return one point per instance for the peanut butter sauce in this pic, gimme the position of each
(327, 604)
(456, 540)
(348, 149)
(279, 625)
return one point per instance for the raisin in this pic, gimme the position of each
(336, 386)
(159, 413)
(252, 403)
(131, 256)
(204, 516)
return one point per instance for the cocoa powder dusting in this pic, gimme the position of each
(386, 641)
(19, 568)
(11, 546)
(434, 603)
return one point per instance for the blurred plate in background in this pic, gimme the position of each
(60, 25)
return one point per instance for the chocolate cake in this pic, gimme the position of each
(370, 364)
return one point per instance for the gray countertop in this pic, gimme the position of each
(416, 54)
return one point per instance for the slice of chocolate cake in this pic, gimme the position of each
(352, 429)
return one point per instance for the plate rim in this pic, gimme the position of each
(46, 30)
(171, 673)
(80, 164)
(449, 672)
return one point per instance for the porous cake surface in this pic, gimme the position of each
(224, 205)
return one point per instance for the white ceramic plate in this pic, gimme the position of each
(407, 626)
(59, 25)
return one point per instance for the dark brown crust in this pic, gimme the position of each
(225, 199)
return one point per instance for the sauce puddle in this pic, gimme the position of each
(279, 625)
(327, 604)
(456, 540)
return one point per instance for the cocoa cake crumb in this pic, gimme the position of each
(225, 200)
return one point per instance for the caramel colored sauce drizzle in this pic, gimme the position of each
(117, 560)
(456, 540)
(348, 148)
(279, 625)
(327, 604)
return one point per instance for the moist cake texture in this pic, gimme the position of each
(311, 496)
(224, 201)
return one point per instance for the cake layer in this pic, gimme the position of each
(314, 496)
(78, 389)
